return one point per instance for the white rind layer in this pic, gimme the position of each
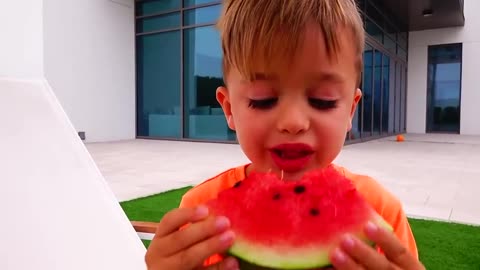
(288, 257)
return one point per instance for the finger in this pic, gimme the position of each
(196, 232)
(364, 254)
(229, 263)
(174, 219)
(197, 253)
(341, 261)
(392, 247)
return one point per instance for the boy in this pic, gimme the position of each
(292, 70)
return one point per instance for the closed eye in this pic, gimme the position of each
(322, 104)
(262, 103)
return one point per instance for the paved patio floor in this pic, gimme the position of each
(435, 176)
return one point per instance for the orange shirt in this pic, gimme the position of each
(385, 203)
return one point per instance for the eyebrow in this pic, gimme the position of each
(327, 77)
(264, 77)
(316, 77)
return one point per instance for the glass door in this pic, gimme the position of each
(444, 88)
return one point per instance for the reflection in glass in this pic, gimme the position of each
(375, 14)
(389, 44)
(403, 118)
(155, 6)
(367, 91)
(443, 88)
(204, 118)
(188, 3)
(377, 93)
(171, 20)
(399, 80)
(386, 94)
(158, 84)
(390, 29)
(356, 124)
(402, 41)
(202, 15)
(402, 53)
(374, 31)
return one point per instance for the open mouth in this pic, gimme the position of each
(291, 154)
(291, 157)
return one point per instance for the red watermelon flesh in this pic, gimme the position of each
(283, 224)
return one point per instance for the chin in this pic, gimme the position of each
(292, 176)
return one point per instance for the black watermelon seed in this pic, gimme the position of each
(299, 189)
(314, 212)
(277, 196)
(237, 184)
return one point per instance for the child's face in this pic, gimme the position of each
(308, 109)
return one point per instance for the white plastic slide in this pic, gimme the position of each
(56, 210)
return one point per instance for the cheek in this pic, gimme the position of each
(333, 122)
(331, 129)
(247, 118)
(330, 134)
(252, 137)
(254, 129)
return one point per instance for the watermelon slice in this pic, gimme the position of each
(281, 224)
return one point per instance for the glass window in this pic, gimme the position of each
(155, 6)
(375, 15)
(403, 113)
(367, 91)
(208, 14)
(390, 30)
(374, 31)
(377, 93)
(399, 80)
(402, 54)
(386, 94)
(444, 88)
(158, 85)
(167, 21)
(402, 41)
(204, 118)
(389, 44)
(188, 3)
(356, 124)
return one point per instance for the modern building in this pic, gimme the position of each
(126, 69)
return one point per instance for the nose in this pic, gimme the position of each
(293, 118)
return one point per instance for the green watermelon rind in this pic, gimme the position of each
(307, 258)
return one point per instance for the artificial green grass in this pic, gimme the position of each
(152, 208)
(441, 245)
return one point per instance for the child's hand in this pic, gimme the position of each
(354, 254)
(186, 249)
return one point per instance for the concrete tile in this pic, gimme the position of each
(441, 197)
(413, 196)
(468, 217)
(431, 174)
(422, 211)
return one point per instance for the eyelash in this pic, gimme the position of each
(322, 104)
(264, 104)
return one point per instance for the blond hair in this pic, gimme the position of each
(269, 31)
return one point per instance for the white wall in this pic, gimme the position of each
(89, 62)
(21, 39)
(469, 35)
(58, 211)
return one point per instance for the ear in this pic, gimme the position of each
(224, 100)
(356, 99)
